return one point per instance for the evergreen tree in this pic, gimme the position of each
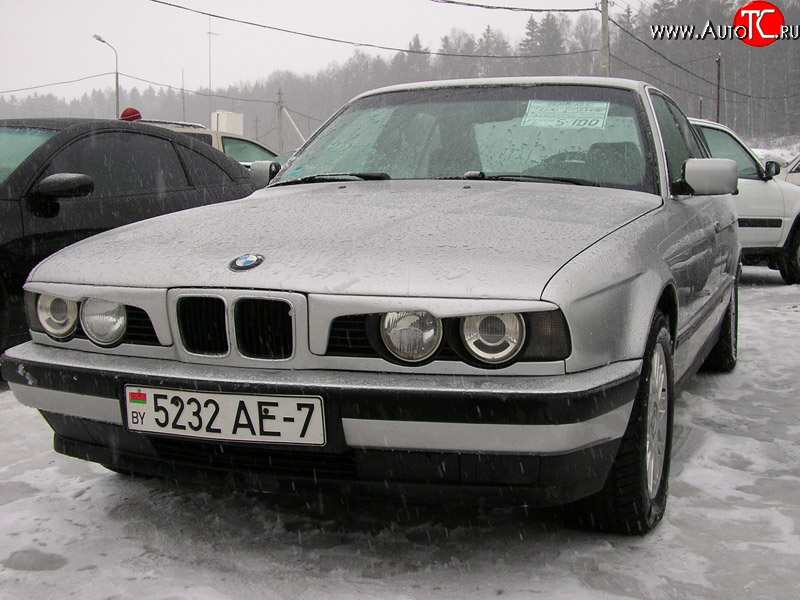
(550, 42)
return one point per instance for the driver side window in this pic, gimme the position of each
(679, 143)
(724, 145)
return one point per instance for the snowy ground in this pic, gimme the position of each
(71, 529)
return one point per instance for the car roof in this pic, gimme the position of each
(707, 122)
(55, 123)
(629, 84)
(70, 127)
(62, 124)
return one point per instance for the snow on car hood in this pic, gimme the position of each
(467, 239)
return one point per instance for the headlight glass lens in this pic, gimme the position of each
(411, 336)
(103, 322)
(493, 338)
(58, 316)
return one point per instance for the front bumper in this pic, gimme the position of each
(555, 435)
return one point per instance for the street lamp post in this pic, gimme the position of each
(116, 71)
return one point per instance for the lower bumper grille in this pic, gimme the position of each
(255, 458)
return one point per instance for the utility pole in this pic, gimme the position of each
(719, 82)
(606, 52)
(183, 96)
(280, 121)
(210, 33)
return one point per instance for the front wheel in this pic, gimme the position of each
(634, 497)
(790, 265)
(725, 353)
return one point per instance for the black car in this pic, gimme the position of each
(62, 180)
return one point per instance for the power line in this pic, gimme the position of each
(36, 87)
(686, 62)
(653, 77)
(683, 89)
(692, 73)
(515, 8)
(365, 44)
(163, 85)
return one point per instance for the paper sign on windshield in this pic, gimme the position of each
(566, 114)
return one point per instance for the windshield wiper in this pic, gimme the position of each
(521, 177)
(538, 178)
(327, 177)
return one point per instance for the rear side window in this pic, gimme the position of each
(122, 163)
(202, 170)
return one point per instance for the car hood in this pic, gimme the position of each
(467, 239)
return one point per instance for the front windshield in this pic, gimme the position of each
(17, 144)
(581, 134)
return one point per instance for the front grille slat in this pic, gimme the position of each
(202, 325)
(140, 328)
(264, 328)
(348, 337)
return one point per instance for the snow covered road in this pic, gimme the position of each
(71, 529)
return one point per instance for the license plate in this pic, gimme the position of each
(232, 417)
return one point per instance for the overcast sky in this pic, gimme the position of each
(50, 41)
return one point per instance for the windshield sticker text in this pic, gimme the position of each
(566, 114)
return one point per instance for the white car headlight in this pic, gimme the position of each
(493, 339)
(103, 322)
(57, 316)
(411, 336)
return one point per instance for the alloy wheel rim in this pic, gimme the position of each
(656, 444)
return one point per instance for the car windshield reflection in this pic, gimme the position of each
(564, 133)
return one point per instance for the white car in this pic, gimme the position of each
(241, 149)
(768, 206)
(792, 171)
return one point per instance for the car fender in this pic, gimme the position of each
(613, 287)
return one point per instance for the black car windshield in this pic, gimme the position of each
(571, 134)
(17, 144)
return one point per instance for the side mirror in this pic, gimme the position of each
(711, 176)
(262, 172)
(771, 169)
(64, 185)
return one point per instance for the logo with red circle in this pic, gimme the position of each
(759, 23)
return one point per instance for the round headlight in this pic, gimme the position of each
(493, 338)
(411, 336)
(58, 316)
(103, 322)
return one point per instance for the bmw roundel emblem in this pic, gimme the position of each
(246, 261)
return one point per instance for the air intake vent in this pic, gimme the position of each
(140, 328)
(264, 328)
(201, 321)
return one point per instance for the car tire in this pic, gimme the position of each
(724, 354)
(128, 472)
(790, 265)
(5, 326)
(634, 497)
